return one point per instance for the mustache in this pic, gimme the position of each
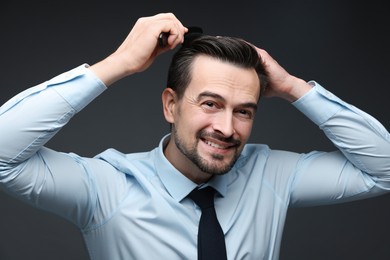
(203, 134)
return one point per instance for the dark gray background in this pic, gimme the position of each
(341, 44)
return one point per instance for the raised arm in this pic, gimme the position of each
(360, 167)
(56, 181)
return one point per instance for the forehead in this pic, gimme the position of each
(223, 78)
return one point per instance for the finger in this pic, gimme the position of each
(172, 32)
(176, 36)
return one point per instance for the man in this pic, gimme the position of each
(136, 206)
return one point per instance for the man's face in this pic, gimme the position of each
(213, 120)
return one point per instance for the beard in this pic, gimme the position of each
(217, 166)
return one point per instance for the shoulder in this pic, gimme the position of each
(262, 153)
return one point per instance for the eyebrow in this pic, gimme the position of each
(219, 97)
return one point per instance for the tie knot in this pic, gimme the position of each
(204, 198)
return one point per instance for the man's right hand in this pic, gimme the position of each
(140, 48)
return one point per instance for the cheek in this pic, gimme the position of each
(243, 129)
(192, 121)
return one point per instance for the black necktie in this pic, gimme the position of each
(211, 240)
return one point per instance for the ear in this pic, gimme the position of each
(169, 101)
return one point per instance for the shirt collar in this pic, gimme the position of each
(178, 185)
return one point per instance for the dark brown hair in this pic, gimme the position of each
(229, 49)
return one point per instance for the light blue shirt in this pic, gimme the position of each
(134, 206)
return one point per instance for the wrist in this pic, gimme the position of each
(298, 88)
(110, 70)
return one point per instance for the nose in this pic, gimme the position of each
(223, 123)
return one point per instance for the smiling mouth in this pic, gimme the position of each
(218, 142)
(221, 146)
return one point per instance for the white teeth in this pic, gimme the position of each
(215, 145)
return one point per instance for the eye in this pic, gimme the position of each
(245, 113)
(210, 105)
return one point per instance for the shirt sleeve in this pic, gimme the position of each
(31, 118)
(42, 177)
(361, 166)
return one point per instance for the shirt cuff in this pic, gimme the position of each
(78, 86)
(319, 104)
